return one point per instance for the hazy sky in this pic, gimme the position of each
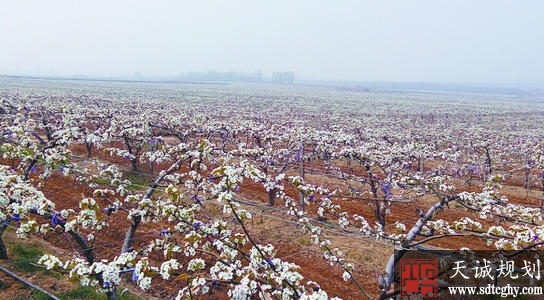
(462, 41)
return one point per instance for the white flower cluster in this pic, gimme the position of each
(49, 261)
(167, 267)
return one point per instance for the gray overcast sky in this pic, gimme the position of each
(462, 41)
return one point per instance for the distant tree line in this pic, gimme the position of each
(283, 77)
(255, 76)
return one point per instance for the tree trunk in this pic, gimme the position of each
(87, 251)
(422, 170)
(89, 147)
(129, 236)
(271, 197)
(380, 210)
(151, 165)
(301, 195)
(29, 168)
(133, 161)
(407, 243)
(527, 173)
(3, 250)
(488, 168)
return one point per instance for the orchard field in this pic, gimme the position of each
(248, 191)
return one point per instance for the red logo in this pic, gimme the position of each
(419, 278)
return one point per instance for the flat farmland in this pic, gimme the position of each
(217, 191)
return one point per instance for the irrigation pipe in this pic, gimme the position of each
(51, 296)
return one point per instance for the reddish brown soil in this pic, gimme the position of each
(368, 255)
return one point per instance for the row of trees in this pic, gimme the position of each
(229, 76)
(389, 154)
